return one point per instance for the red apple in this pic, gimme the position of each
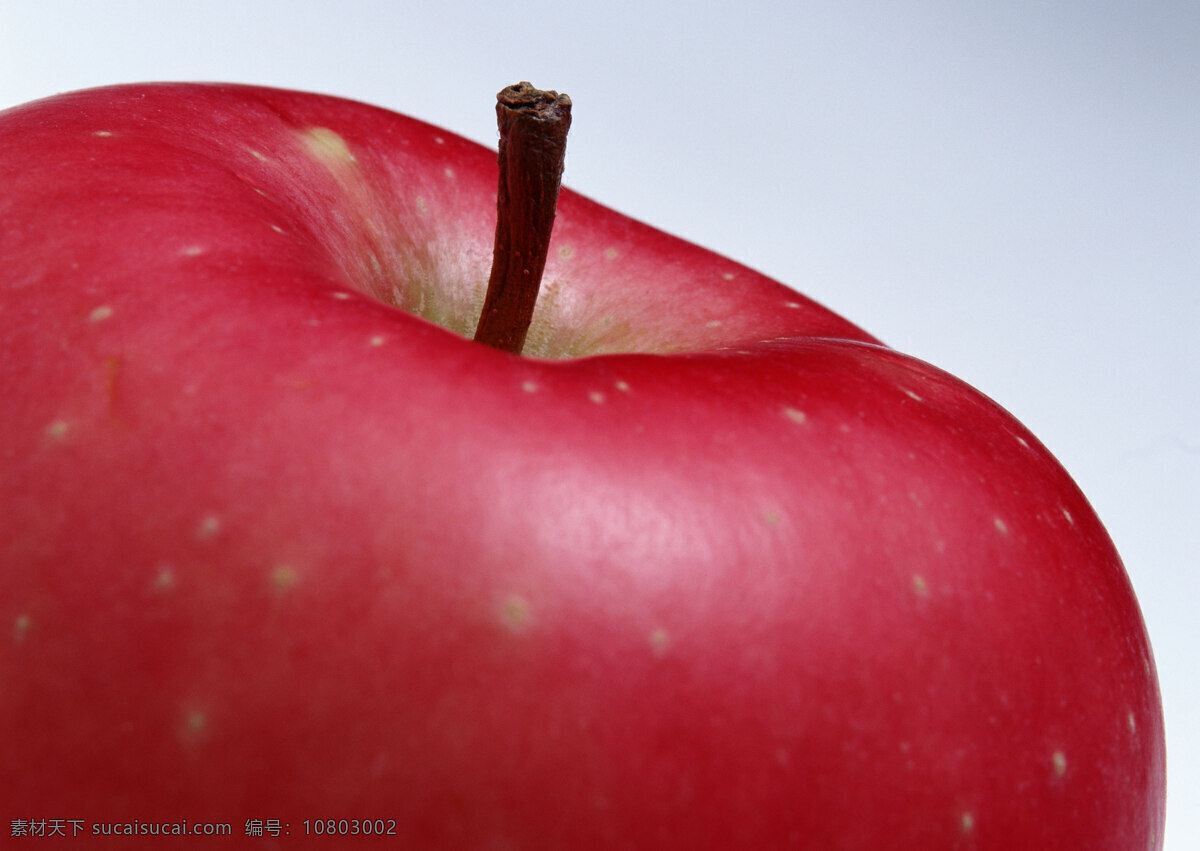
(707, 567)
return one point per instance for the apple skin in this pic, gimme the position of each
(709, 567)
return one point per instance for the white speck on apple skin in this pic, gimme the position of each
(1060, 763)
(660, 640)
(622, 386)
(192, 251)
(610, 254)
(515, 614)
(920, 586)
(209, 527)
(103, 134)
(597, 397)
(58, 430)
(967, 822)
(565, 252)
(342, 295)
(1132, 724)
(794, 305)
(1000, 525)
(258, 156)
(910, 394)
(284, 578)
(101, 313)
(164, 579)
(729, 276)
(1068, 516)
(449, 173)
(529, 386)
(715, 323)
(195, 724)
(378, 340)
(795, 415)
(21, 626)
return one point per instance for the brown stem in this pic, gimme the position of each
(533, 144)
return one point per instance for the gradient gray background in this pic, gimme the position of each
(1008, 190)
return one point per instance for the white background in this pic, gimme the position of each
(1010, 190)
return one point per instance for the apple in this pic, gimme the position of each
(705, 566)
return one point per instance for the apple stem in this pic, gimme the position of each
(533, 145)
